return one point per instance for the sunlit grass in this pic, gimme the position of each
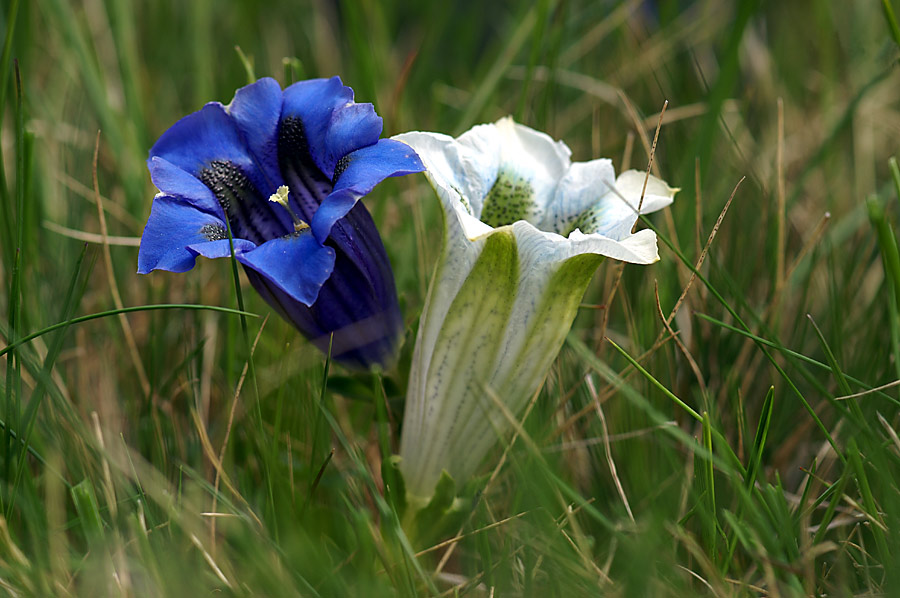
(753, 452)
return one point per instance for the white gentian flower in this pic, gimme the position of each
(524, 231)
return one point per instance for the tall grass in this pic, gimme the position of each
(721, 423)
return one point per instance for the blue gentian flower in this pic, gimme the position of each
(284, 169)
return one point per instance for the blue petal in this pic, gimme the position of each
(210, 134)
(172, 180)
(173, 233)
(362, 292)
(199, 138)
(357, 304)
(221, 248)
(314, 102)
(360, 339)
(352, 127)
(296, 264)
(365, 168)
(355, 238)
(256, 110)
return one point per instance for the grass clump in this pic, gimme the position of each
(722, 423)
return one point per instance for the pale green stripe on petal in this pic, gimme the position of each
(493, 324)
(458, 257)
(464, 353)
(538, 327)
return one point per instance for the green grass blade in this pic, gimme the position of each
(6, 229)
(248, 351)
(69, 305)
(895, 174)
(488, 85)
(392, 523)
(13, 371)
(891, 20)
(887, 241)
(64, 20)
(702, 143)
(656, 382)
(709, 479)
(318, 419)
(894, 311)
(383, 425)
(868, 501)
(807, 487)
(605, 372)
(545, 8)
(122, 21)
(202, 60)
(750, 475)
(796, 391)
(125, 310)
(839, 376)
(836, 495)
(834, 136)
(88, 510)
(247, 63)
(759, 442)
(793, 354)
(11, 20)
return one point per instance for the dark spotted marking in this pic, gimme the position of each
(248, 211)
(588, 222)
(510, 199)
(308, 184)
(342, 165)
(214, 232)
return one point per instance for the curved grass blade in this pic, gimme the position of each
(793, 354)
(718, 296)
(656, 382)
(115, 312)
(73, 298)
(839, 376)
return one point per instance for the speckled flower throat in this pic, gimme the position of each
(511, 198)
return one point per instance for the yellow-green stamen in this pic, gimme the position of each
(281, 197)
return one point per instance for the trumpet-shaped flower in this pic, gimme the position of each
(524, 231)
(281, 172)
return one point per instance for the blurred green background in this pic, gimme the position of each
(128, 467)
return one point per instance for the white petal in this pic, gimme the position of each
(460, 174)
(639, 248)
(616, 213)
(657, 196)
(453, 267)
(579, 189)
(534, 156)
(492, 154)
